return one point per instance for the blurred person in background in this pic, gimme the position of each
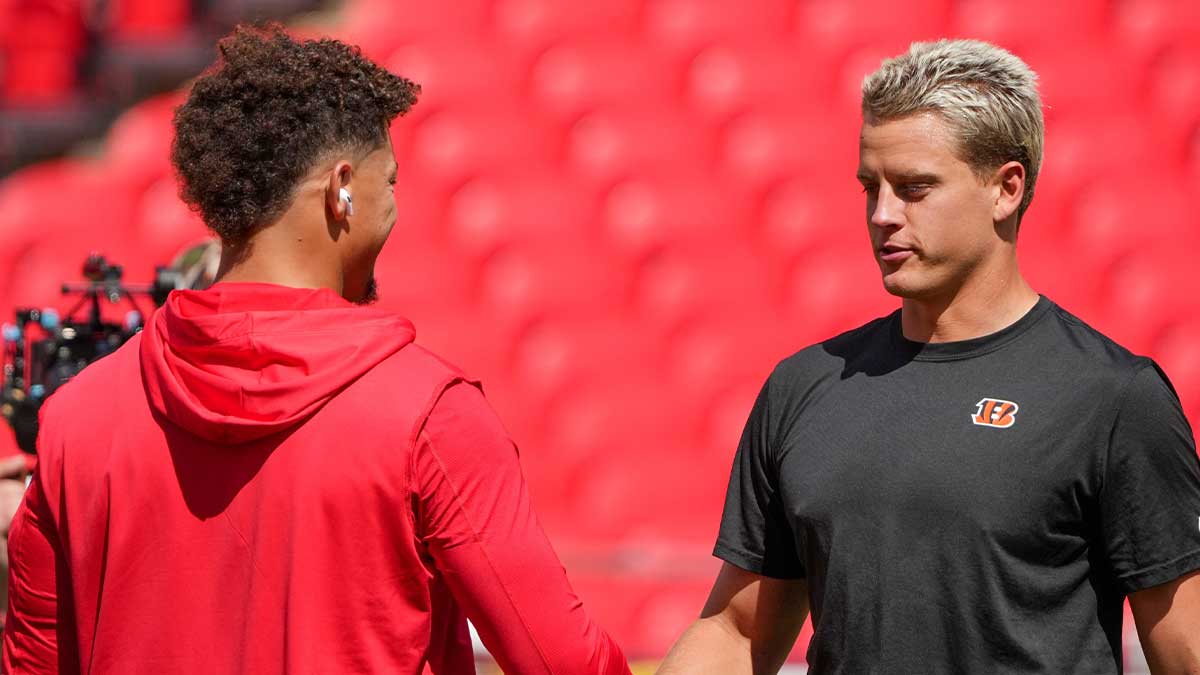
(976, 482)
(14, 468)
(197, 267)
(272, 477)
(198, 264)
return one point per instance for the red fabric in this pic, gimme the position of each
(8, 441)
(245, 362)
(371, 501)
(9, 447)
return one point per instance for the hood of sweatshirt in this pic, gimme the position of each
(240, 361)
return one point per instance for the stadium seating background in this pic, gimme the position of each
(621, 214)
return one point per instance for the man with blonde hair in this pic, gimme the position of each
(976, 482)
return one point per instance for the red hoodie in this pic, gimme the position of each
(273, 480)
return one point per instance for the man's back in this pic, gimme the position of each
(307, 542)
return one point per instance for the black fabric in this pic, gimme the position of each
(934, 543)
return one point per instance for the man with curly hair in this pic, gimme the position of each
(270, 478)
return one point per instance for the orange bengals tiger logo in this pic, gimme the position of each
(993, 412)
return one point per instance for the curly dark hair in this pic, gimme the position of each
(266, 112)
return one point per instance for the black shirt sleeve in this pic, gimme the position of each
(1150, 502)
(755, 534)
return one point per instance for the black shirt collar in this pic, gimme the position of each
(965, 349)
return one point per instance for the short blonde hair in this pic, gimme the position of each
(988, 95)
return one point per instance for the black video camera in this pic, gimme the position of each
(42, 350)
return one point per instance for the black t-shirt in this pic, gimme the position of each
(971, 507)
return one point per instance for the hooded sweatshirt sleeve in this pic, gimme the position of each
(475, 518)
(38, 606)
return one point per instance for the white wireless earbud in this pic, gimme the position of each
(344, 195)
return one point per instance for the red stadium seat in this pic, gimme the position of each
(680, 282)
(618, 142)
(417, 282)
(455, 145)
(766, 146)
(490, 212)
(631, 478)
(674, 603)
(41, 42)
(1016, 26)
(715, 365)
(732, 75)
(164, 224)
(1146, 291)
(1069, 79)
(533, 24)
(609, 590)
(139, 142)
(598, 416)
(148, 20)
(43, 24)
(24, 196)
(845, 95)
(1041, 260)
(828, 291)
(1084, 149)
(1173, 93)
(723, 416)
(36, 278)
(651, 213)
(380, 26)
(454, 73)
(573, 78)
(1192, 162)
(54, 215)
(551, 354)
(38, 77)
(1106, 223)
(417, 272)
(810, 212)
(529, 280)
(1144, 28)
(466, 338)
(60, 199)
(645, 593)
(682, 26)
(832, 28)
(718, 349)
